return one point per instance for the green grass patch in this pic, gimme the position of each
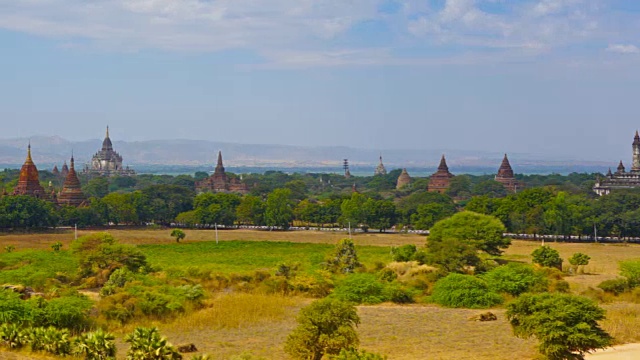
(34, 267)
(247, 256)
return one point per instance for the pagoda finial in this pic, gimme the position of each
(29, 151)
(219, 157)
(443, 164)
(107, 131)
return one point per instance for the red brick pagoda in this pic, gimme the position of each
(71, 193)
(440, 180)
(29, 181)
(220, 182)
(505, 176)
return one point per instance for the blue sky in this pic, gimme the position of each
(550, 77)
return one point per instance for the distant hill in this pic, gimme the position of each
(48, 151)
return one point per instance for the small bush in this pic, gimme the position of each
(561, 286)
(546, 256)
(631, 270)
(344, 259)
(515, 279)
(403, 253)
(355, 354)
(360, 289)
(615, 286)
(464, 291)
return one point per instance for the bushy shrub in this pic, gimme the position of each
(615, 286)
(68, 312)
(547, 256)
(12, 308)
(324, 328)
(98, 345)
(344, 259)
(147, 344)
(403, 253)
(515, 279)
(360, 289)
(12, 336)
(631, 270)
(464, 291)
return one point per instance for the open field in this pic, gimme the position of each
(236, 323)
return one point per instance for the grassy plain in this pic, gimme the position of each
(234, 323)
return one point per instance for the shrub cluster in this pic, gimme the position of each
(464, 291)
(364, 288)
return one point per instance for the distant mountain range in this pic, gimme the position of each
(145, 156)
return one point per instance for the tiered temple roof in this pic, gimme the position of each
(71, 193)
(220, 182)
(107, 162)
(380, 169)
(505, 175)
(404, 179)
(440, 180)
(29, 181)
(621, 179)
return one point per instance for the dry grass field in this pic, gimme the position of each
(236, 323)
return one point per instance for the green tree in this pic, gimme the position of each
(428, 214)
(165, 202)
(565, 325)
(147, 344)
(452, 256)
(354, 210)
(178, 234)
(380, 214)
(547, 256)
(490, 189)
(250, 210)
(579, 259)
(515, 279)
(324, 328)
(343, 259)
(460, 187)
(483, 232)
(22, 211)
(97, 187)
(279, 209)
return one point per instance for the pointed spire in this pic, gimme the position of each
(219, 158)
(609, 173)
(505, 170)
(443, 164)
(107, 131)
(29, 152)
(636, 139)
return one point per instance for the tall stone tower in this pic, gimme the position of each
(635, 166)
(440, 180)
(505, 175)
(71, 193)
(29, 181)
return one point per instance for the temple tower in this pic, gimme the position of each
(404, 179)
(380, 169)
(71, 193)
(505, 175)
(221, 182)
(29, 181)
(440, 180)
(635, 166)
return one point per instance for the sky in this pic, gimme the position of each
(558, 78)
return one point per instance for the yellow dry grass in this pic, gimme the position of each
(623, 322)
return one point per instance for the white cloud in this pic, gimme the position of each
(317, 31)
(623, 49)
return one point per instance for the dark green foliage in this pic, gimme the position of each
(615, 286)
(403, 253)
(566, 325)
(325, 327)
(147, 344)
(547, 256)
(452, 255)
(464, 291)
(515, 279)
(24, 211)
(279, 209)
(344, 259)
(631, 270)
(178, 234)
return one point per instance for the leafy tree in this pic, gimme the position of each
(178, 234)
(466, 291)
(250, 210)
(409, 205)
(380, 214)
(404, 252)
(165, 202)
(515, 279)
(298, 189)
(489, 188)
(631, 270)
(147, 344)
(566, 325)
(452, 256)
(120, 208)
(218, 208)
(579, 259)
(22, 211)
(354, 210)
(279, 210)
(428, 214)
(344, 258)
(547, 256)
(460, 187)
(97, 345)
(97, 187)
(483, 232)
(325, 327)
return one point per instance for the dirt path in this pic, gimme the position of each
(618, 352)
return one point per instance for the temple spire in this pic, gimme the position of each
(107, 131)
(443, 164)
